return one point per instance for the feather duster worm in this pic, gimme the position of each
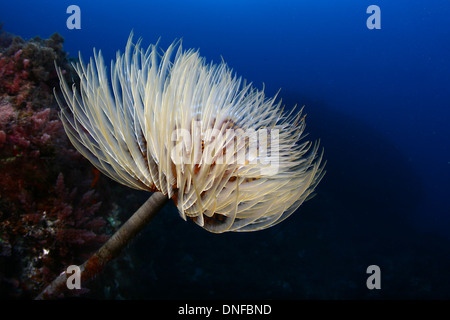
(228, 156)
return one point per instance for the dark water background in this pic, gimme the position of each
(379, 100)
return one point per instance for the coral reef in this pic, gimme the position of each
(53, 211)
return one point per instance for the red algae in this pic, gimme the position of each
(52, 208)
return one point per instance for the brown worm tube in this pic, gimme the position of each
(111, 249)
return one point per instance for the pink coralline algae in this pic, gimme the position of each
(53, 212)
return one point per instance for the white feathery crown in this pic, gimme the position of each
(229, 157)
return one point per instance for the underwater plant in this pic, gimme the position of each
(168, 123)
(53, 210)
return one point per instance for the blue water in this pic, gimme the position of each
(378, 99)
